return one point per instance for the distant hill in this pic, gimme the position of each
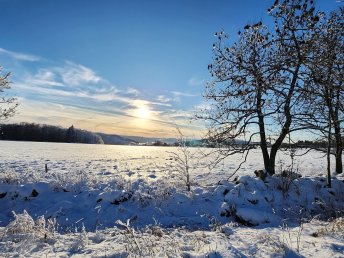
(149, 140)
(116, 139)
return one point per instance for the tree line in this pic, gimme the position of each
(47, 133)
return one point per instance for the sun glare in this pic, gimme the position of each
(143, 113)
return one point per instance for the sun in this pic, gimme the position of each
(143, 112)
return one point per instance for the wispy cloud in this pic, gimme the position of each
(178, 94)
(77, 74)
(195, 81)
(183, 94)
(179, 115)
(163, 99)
(68, 75)
(37, 90)
(70, 93)
(19, 56)
(44, 77)
(132, 91)
(74, 82)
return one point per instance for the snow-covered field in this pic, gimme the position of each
(119, 201)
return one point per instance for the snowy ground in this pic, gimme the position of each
(119, 201)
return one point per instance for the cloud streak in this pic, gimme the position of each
(78, 81)
(76, 74)
(19, 56)
(195, 81)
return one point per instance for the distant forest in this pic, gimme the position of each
(47, 133)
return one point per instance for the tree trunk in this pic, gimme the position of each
(265, 152)
(339, 149)
(288, 119)
(338, 136)
(329, 154)
(275, 147)
(272, 160)
(263, 143)
(188, 185)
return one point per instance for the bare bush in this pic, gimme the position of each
(24, 227)
(184, 160)
(334, 227)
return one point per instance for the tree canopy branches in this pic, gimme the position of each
(8, 104)
(262, 81)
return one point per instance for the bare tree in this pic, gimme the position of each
(258, 81)
(8, 104)
(326, 86)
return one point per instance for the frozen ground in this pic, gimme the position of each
(119, 201)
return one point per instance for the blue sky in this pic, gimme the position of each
(123, 67)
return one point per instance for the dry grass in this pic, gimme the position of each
(332, 228)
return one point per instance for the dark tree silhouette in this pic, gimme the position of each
(47, 133)
(258, 81)
(70, 134)
(325, 88)
(327, 68)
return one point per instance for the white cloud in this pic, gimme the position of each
(163, 99)
(70, 74)
(195, 81)
(29, 87)
(75, 74)
(112, 89)
(36, 88)
(44, 77)
(133, 91)
(180, 114)
(183, 94)
(105, 96)
(178, 94)
(19, 56)
(102, 93)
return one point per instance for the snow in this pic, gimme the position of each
(120, 201)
